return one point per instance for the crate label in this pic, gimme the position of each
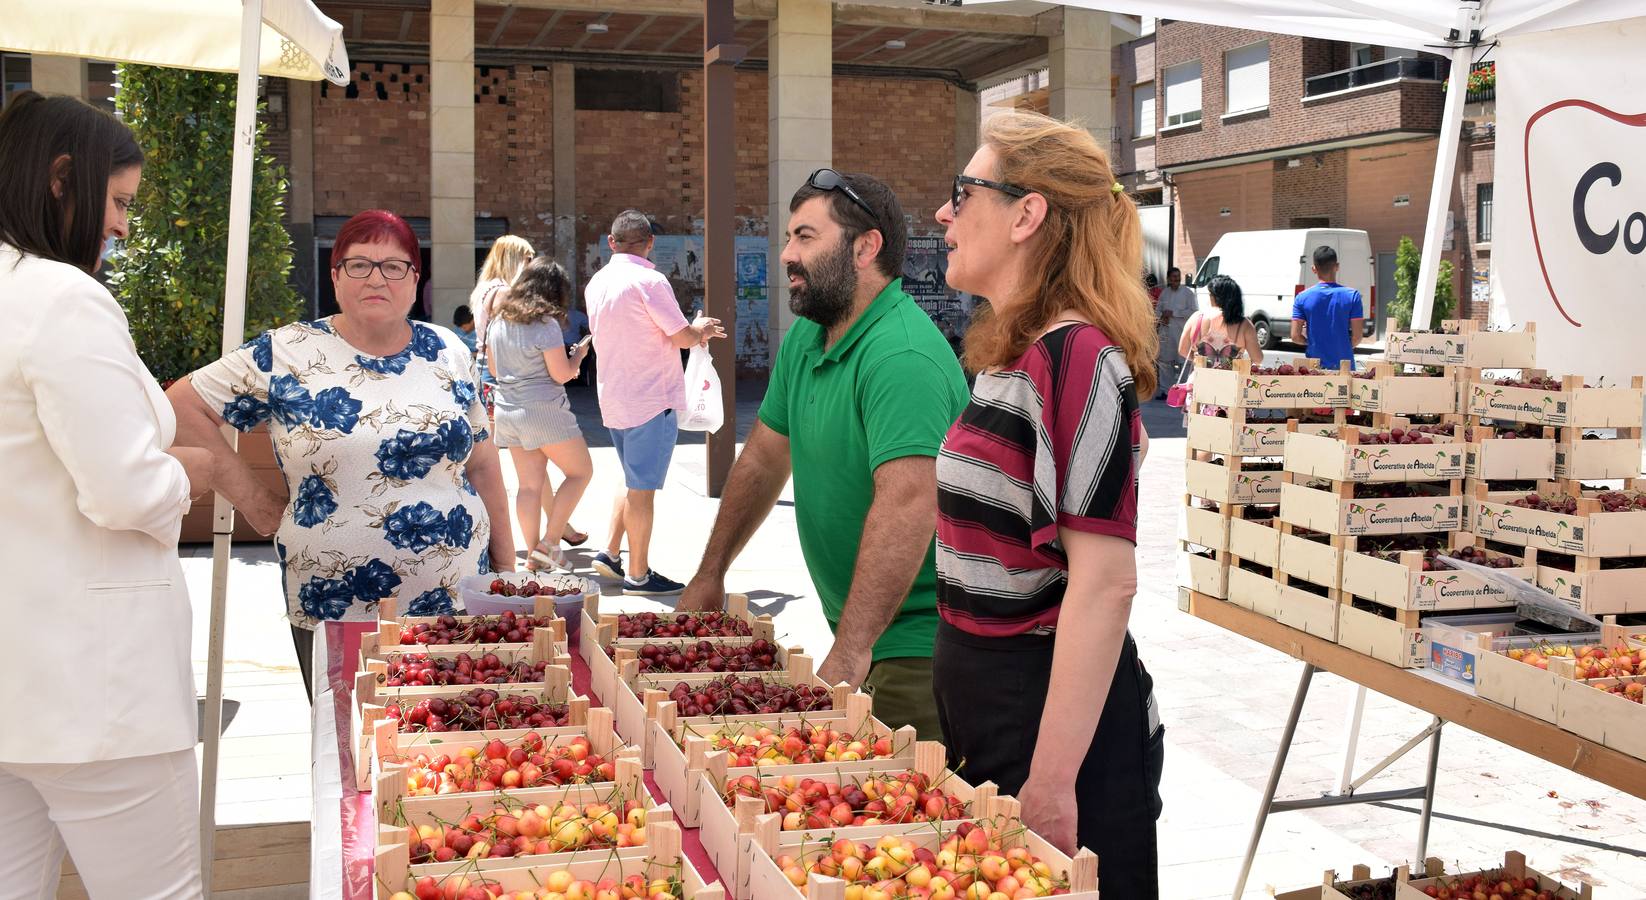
(1444, 463)
(1433, 589)
(1522, 405)
(1263, 437)
(1363, 517)
(1429, 349)
(1307, 390)
(1561, 534)
(1452, 662)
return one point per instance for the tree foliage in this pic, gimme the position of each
(171, 275)
(1407, 259)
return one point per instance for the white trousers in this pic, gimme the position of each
(131, 825)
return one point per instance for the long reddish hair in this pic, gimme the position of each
(372, 226)
(1088, 252)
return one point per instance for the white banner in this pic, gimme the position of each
(1569, 228)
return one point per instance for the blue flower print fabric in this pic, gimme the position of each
(374, 450)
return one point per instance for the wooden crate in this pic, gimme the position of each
(660, 858)
(1589, 588)
(603, 668)
(437, 811)
(1235, 435)
(728, 830)
(1238, 388)
(1254, 590)
(1509, 459)
(1394, 636)
(680, 747)
(1514, 864)
(1598, 459)
(1257, 540)
(1344, 458)
(392, 761)
(1232, 483)
(1574, 405)
(1309, 558)
(1462, 342)
(637, 696)
(1402, 584)
(375, 689)
(388, 614)
(1608, 719)
(1587, 532)
(1336, 511)
(1208, 575)
(1307, 611)
(1207, 528)
(1331, 888)
(1388, 390)
(1527, 688)
(766, 881)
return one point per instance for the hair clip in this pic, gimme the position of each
(1117, 189)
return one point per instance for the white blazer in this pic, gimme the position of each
(95, 661)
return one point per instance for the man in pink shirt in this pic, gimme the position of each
(638, 334)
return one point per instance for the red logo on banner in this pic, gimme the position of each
(1595, 242)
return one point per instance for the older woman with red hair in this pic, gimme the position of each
(393, 482)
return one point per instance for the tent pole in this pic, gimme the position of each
(234, 330)
(1440, 191)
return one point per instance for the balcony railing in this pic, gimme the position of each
(1482, 83)
(1376, 73)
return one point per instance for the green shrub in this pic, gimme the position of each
(170, 276)
(1407, 258)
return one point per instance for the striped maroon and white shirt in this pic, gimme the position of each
(1051, 441)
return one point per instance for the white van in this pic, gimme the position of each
(1272, 267)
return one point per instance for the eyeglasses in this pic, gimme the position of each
(959, 194)
(360, 267)
(830, 180)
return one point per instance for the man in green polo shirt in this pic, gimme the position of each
(862, 392)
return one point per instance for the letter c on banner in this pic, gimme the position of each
(1593, 241)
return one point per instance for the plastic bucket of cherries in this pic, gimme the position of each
(493, 593)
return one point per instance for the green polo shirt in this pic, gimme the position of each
(889, 388)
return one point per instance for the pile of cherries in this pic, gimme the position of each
(1621, 501)
(507, 628)
(478, 710)
(504, 588)
(1431, 559)
(1565, 504)
(748, 695)
(1413, 435)
(1535, 382)
(423, 670)
(681, 625)
(759, 655)
(1289, 369)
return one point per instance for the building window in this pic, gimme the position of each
(628, 91)
(1483, 213)
(1143, 110)
(1182, 93)
(1248, 78)
(14, 75)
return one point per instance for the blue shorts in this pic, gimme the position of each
(645, 451)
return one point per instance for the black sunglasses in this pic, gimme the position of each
(959, 195)
(830, 180)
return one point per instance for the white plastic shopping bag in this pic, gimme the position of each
(703, 410)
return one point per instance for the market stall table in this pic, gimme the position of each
(1409, 686)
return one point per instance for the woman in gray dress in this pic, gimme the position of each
(533, 418)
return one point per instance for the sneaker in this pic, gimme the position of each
(653, 585)
(607, 566)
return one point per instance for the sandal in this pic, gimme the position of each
(550, 559)
(573, 537)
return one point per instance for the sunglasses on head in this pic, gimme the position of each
(830, 180)
(958, 196)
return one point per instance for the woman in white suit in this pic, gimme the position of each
(98, 756)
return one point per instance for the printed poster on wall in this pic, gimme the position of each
(1569, 234)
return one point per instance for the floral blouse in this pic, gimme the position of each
(374, 451)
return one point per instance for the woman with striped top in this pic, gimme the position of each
(534, 418)
(1037, 681)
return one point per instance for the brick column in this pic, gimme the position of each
(58, 75)
(564, 110)
(451, 154)
(966, 115)
(300, 97)
(801, 128)
(1081, 88)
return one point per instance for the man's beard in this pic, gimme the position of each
(826, 294)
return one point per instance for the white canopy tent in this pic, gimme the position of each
(1456, 28)
(285, 38)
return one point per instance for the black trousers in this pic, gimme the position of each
(990, 695)
(303, 640)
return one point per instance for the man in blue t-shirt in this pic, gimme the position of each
(1327, 318)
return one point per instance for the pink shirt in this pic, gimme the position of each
(632, 313)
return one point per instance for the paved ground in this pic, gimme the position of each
(1224, 700)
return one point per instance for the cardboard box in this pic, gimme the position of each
(1595, 460)
(1573, 406)
(1594, 590)
(1464, 343)
(1588, 532)
(1230, 484)
(1239, 388)
(1389, 391)
(1320, 510)
(1345, 458)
